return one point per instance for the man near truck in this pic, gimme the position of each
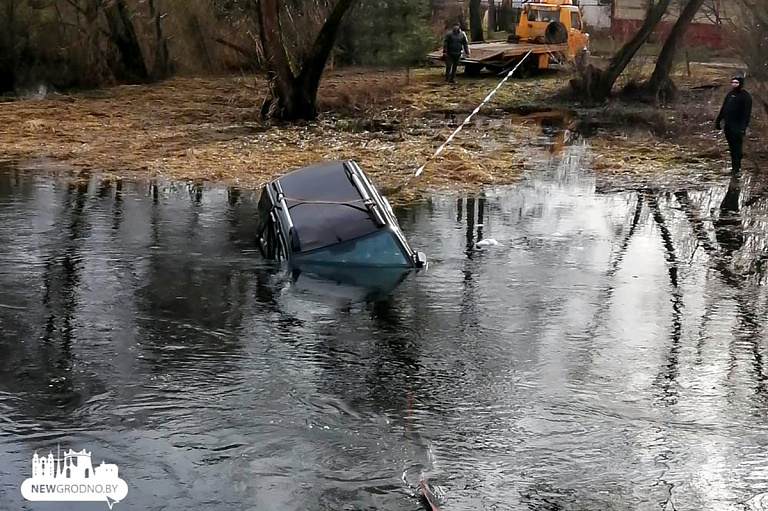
(736, 112)
(455, 41)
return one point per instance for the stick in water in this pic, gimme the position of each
(466, 121)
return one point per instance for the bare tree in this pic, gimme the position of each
(750, 38)
(475, 21)
(712, 10)
(624, 56)
(199, 40)
(123, 36)
(492, 21)
(161, 67)
(596, 84)
(666, 59)
(8, 53)
(294, 82)
(88, 43)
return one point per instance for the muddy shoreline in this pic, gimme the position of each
(207, 129)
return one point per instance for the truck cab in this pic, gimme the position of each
(552, 22)
(543, 33)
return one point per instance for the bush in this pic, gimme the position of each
(750, 38)
(388, 33)
(69, 44)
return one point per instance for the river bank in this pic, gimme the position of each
(207, 129)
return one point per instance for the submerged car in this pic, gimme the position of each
(359, 283)
(331, 214)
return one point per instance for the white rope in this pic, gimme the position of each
(466, 121)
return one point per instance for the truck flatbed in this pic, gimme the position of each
(501, 54)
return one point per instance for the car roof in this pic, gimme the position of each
(326, 181)
(325, 207)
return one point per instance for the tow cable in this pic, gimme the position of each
(469, 118)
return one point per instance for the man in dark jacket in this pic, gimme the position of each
(455, 42)
(736, 112)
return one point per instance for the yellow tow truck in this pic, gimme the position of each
(552, 30)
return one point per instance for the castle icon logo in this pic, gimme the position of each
(72, 478)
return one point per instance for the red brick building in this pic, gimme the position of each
(620, 19)
(708, 28)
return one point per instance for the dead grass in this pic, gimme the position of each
(207, 129)
(676, 139)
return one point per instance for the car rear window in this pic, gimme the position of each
(378, 249)
(321, 225)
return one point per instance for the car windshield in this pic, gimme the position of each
(380, 248)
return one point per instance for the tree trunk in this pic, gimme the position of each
(620, 61)
(667, 56)
(314, 63)
(97, 63)
(161, 66)
(281, 77)
(294, 96)
(8, 50)
(123, 36)
(475, 21)
(492, 25)
(196, 31)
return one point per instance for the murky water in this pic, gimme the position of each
(609, 354)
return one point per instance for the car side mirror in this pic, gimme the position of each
(420, 260)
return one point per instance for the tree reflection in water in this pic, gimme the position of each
(621, 332)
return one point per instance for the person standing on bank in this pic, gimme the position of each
(455, 42)
(736, 113)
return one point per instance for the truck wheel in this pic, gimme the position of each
(556, 33)
(472, 69)
(528, 68)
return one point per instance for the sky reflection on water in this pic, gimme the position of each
(608, 354)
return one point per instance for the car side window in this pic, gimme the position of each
(575, 20)
(264, 208)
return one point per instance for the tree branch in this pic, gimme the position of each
(275, 55)
(253, 56)
(314, 64)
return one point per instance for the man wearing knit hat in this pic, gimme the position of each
(455, 41)
(736, 112)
